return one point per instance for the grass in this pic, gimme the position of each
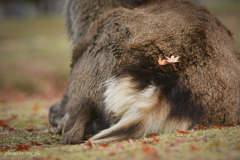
(35, 55)
(228, 12)
(31, 124)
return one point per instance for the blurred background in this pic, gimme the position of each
(35, 50)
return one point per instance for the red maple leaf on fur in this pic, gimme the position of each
(162, 62)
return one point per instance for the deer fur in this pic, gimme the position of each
(79, 14)
(115, 79)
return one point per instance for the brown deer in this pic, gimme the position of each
(79, 14)
(117, 81)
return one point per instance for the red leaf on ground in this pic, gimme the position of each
(11, 129)
(6, 149)
(35, 107)
(21, 148)
(35, 143)
(89, 143)
(152, 135)
(183, 132)
(104, 145)
(30, 129)
(112, 154)
(200, 127)
(3, 124)
(219, 127)
(145, 148)
(193, 148)
(233, 124)
(155, 139)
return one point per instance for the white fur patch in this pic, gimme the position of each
(121, 99)
(126, 106)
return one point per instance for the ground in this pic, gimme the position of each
(26, 134)
(34, 73)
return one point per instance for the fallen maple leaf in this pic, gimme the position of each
(193, 148)
(172, 59)
(145, 148)
(183, 132)
(30, 129)
(152, 135)
(233, 124)
(219, 127)
(89, 143)
(22, 147)
(6, 149)
(11, 129)
(35, 143)
(104, 145)
(3, 124)
(200, 127)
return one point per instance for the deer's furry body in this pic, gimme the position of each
(115, 78)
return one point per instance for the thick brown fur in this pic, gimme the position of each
(121, 49)
(79, 14)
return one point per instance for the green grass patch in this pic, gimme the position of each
(30, 128)
(34, 51)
